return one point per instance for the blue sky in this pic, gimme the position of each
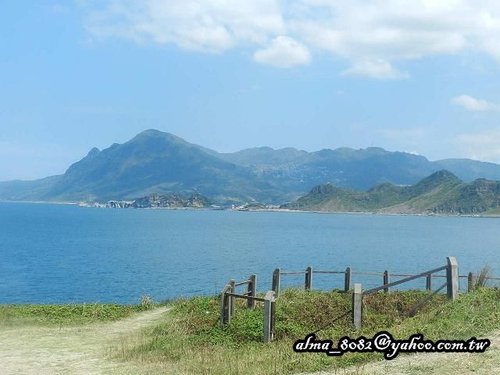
(421, 77)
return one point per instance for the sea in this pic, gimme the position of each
(55, 253)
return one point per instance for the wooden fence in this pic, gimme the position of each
(451, 284)
(229, 295)
(308, 277)
(348, 273)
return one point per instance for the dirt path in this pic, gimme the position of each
(70, 350)
(436, 363)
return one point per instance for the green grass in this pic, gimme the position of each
(68, 314)
(189, 340)
(192, 340)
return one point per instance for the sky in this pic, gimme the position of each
(417, 76)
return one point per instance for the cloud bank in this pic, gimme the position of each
(475, 105)
(283, 52)
(370, 37)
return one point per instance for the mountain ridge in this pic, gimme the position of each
(440, 193)
(155, 162)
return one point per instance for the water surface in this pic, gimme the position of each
(63, 253)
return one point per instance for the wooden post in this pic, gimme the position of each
(357, 304)
(269, 309)
(452, 278)
(231, 298)
(273, 317)
(470, 282)
(428, 282)
(308, 278)
(276, 282)
(225, 316)
(252, 286)
(386, 280)
(347, 279)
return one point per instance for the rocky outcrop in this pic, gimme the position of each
(171, 200)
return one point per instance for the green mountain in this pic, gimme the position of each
(151, 162)
(440, 193)
(361, 169)
(155, 162)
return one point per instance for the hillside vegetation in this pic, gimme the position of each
(440, 193)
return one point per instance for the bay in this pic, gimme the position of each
(65, 253)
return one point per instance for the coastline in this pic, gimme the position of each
(287, 210)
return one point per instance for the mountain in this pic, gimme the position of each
(35, 190)
(151, 162)
(155, 162)
(440, 193)
(347, 167)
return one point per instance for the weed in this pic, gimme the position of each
(482, 278)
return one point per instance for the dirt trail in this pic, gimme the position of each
(486, 363)
(69, 350)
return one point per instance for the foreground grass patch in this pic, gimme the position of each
(192, 340)
(68, 314)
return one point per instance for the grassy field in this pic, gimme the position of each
(68, 314)
(192, 340)
(185, 337)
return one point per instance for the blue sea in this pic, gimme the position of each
(65, 253)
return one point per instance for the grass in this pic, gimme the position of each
(189, 339)
(482, 278)
(192, 340)
(69, 314)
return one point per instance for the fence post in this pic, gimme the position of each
(452, 278)
(308, 278)
(231, 298)
(269, 301)
(252, 286)
(428, 282)
(357, 303)
(386, 280)
(276, 282)
(470, 282)
(225, 316)
(347, 279)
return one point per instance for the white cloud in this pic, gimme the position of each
(371, 37)
(283, 52)
(378, 69)
(212, 26)
(481, 146)
(476, 105)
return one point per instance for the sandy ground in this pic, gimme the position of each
(70, 350)
(487, 363)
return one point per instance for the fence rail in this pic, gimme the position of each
(229, 293)
(451, 285)
(386, 276)
(405, 280)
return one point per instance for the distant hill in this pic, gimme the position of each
(155, 162)
(169, 200)
(356, 169)
(151, 162)
(440, 193)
